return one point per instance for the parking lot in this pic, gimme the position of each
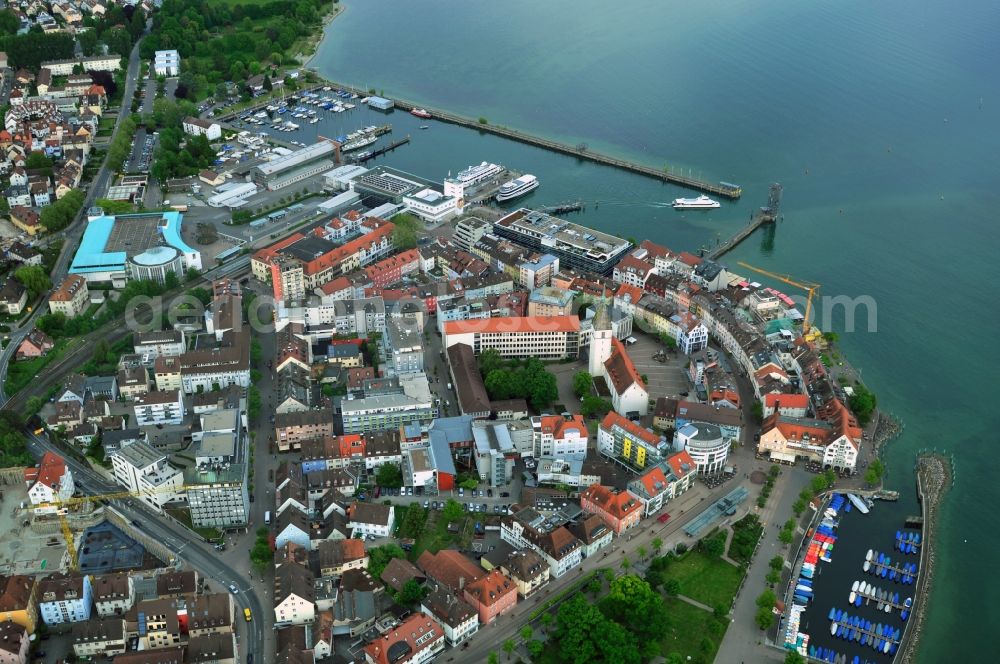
(665, 378)
(141, 156)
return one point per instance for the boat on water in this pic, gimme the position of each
(517, 188)
(480, 173)
(358, 143)
(858, 503)
(425, 126)
(701, 203)
(869, 555)
(421, 113)
(364, 155)
(853, 597)
(833, 628)
(867, 566)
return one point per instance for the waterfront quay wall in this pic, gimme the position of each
(579, 151)
(934, 478)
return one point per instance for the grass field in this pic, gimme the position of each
(23, 372)
(436, 536)
(693, 633)
(709, 581)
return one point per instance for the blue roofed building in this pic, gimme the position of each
(147, 245)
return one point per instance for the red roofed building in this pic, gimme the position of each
(299, 264)
(633, 271)
(544, 337)
(619, 511)
(833, 442)
(393, 269)
(491, 595)
(627, 296)
(558, 435)
(624, 440)
(450, 568)
(789, 405)
(50, 480)
(416, 640)
(628, 391)
(664, 482)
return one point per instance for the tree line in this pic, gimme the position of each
(220, 42)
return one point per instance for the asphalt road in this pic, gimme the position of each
(180, 542)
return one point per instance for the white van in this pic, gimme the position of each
(267, 517)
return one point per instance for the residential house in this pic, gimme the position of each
(416, 640)
(527, 570)
(199, 127)
(36, 344)
(14, 643)
(51, 480)
(294, 596)
(559, 435)
(619, 510)
(491, 595)
(99, 638)
(26, 220)
(71, 298)
(370, 519)
(114, 594)
(593, 534)
(292, 526)
(18, 601)
(65, 598)
(133, 382)
(291, 429)
(13, 297)
(338, 556)
(459, 620)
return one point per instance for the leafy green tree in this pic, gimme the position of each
(594, 406)
(389, 475)
(34, 278)
(657, 544)
(526, 632)
(452, 511)
(582, 382)
(794, 658)
(379, 557)
(776, 563)
(413, 522)
(536, 648)
(492, 659)
(766, 599)
(862, 403)
(508, 647)
(489, 361)
(411, 593)
(254, 403)
(764, 618)
(714, 546)
(785, 536)
(773, 576)
(672, 587)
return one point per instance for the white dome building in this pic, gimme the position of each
(706, 445)
(155, 263)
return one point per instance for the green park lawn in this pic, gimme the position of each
(693, 633)
(704, 579)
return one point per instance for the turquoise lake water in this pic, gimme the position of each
(880, 120)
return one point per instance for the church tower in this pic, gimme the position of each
(600, 342)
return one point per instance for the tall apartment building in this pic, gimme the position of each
(625, 441)
(144, 471)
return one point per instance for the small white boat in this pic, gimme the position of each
(854, 586)
(833, 628)
(858, 503)
(853, 596)
(867, 565)
(868, 556)
(700, 203)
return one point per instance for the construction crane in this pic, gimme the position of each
(61, 508)
(810, 288)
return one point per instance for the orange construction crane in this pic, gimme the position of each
(810, 288)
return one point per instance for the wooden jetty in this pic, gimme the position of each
(381, 151)
(581, 151)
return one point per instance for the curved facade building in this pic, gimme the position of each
(706, 445)
(155, 263)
